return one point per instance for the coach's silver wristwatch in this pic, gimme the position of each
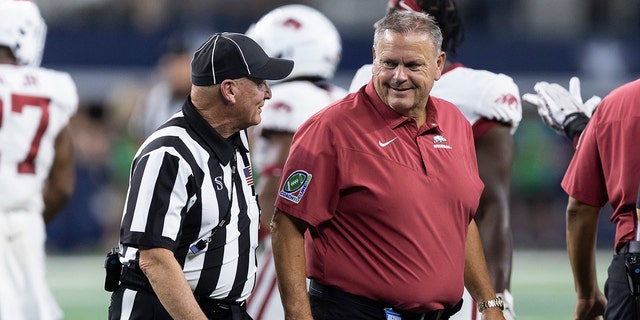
(493, 303)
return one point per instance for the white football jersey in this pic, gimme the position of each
(477, 93)
(35, 104)
(292, 103)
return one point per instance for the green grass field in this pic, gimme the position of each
(542, 284)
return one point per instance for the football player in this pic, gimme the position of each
(36, 167)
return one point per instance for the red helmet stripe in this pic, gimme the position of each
(409, 5)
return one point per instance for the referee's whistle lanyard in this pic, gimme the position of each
(202, 243)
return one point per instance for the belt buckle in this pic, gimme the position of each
(223, 306)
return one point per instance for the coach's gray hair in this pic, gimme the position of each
(405, 21)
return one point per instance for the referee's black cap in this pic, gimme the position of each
(232, 56)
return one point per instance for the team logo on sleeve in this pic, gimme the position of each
(295, 186)
(508, 99)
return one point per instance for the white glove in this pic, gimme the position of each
(589, 106)
(543, 111)
(555, 103)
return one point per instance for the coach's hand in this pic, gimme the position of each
(592, 308)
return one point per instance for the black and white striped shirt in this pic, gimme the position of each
(180, 188)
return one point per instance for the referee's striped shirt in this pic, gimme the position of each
(180, 188)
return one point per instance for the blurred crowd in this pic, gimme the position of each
(129, 55)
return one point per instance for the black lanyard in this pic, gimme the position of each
(201, 244)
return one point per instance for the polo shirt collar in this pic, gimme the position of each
(223, 148)
(394, 119)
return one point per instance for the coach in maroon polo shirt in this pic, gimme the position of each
(378, 195)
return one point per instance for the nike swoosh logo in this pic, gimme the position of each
(384, 144)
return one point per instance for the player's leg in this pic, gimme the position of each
(25, 293)
(10, 273)
(31, 245)
(468, 311)
(265, 303)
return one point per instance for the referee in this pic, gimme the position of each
(190, 223)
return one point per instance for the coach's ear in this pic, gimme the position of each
(440, 59)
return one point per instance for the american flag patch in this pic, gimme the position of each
(248, 175)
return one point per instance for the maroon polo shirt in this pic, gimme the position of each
(606, 164)
(389, 204)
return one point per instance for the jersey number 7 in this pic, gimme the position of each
(18, 103)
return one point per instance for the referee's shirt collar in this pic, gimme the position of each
(223, 148)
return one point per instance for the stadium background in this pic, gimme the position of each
(111, 48)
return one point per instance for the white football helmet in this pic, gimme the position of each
(302, 34)
(23, 30)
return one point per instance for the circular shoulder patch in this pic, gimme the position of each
(296, 184)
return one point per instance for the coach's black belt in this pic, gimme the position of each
(631, 246)
(442, 314)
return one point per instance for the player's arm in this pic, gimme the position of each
(279, 143)
(61, 181)
(562, 110)
(476, 275)
(582, 228)
(494, 151)
(287, 238)
(169, 284)
(500, 101)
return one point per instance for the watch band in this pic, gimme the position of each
(493, 303)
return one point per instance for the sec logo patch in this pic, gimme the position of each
(296, 184)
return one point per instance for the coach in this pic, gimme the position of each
(378, 195)
(605, 169)
(190, 223)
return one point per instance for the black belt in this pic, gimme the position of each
(208, 302)
(442, 314)
(631, 246)
(630, 250)
(223, 309)
(136, 280)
